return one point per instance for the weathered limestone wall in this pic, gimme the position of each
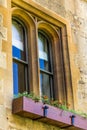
(78, 21)
(5, 61)
(75, 12)
(18, 123)
(81, 57)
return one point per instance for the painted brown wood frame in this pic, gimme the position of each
(53, 19)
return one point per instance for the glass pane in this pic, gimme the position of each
(45, 85)
(19, 72)
(18, 49)
(43, 52)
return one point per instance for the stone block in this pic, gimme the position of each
(3, 3)
(3, 60)
(0, 45)
(1, 85)
(1, 19)
(2, 117)
(3, 33)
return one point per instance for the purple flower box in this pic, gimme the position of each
(26, 107)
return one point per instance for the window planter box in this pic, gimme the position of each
(26, 107)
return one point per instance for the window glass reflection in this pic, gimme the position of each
(18, 48)
(43, 52)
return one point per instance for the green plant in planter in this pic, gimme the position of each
(58, 104)
(26, 94)
(54, 103)
(29, 95)
(80, 113)
(45, 99)
(36, 98)
(63, 107)
(84, 115)
(21, 94)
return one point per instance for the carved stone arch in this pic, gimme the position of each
(24, 16)
(49, 29)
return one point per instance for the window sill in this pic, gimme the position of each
(26, 107)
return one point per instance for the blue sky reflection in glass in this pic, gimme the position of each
(17, 41)
(43, 52)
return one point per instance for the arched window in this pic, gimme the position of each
(47, 36)
(45, 64)
(20, 60)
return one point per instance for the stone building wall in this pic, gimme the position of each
(5, 61)
(74, 11)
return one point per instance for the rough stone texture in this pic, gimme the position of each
(3, 2)
(3, 33)
(3, 36)
(3, 60)
(20, 123)
(81, 41)
(2, 117)
(0, 44)
(1, 84)
(54, 5)
(1, 21)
